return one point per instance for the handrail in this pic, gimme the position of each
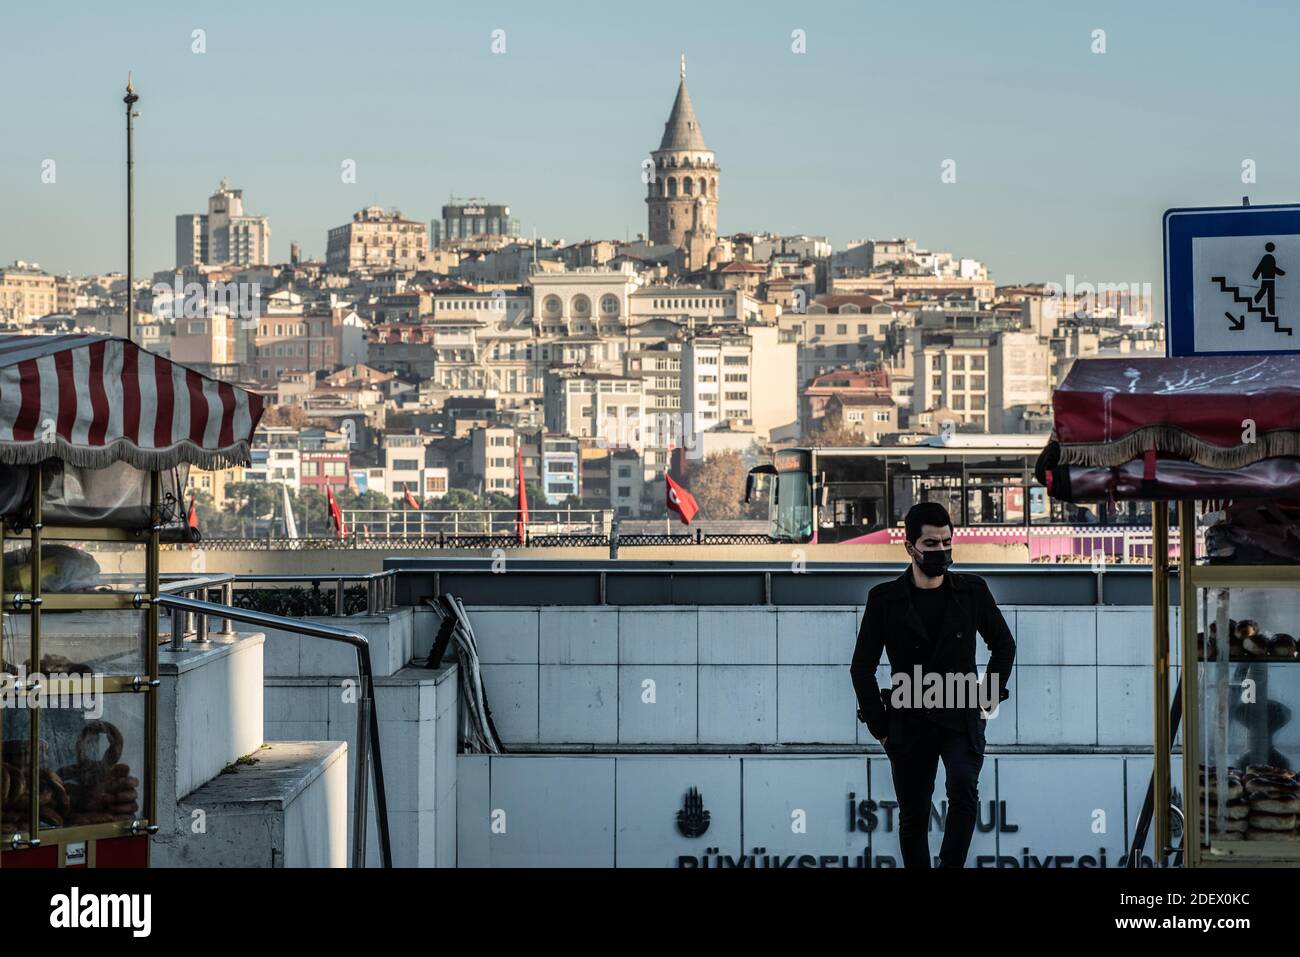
(368, 749)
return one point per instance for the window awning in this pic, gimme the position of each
(94, 400)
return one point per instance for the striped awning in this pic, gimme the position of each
(94, 400)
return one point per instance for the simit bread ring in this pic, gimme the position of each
(88, 734)
(1271, 822)
(1255, 645)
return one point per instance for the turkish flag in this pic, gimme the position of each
(680, 501)
(336, 513)
(192, 519)
(410, 499)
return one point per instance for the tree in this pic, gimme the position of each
(293, 416)
(250, 501)
(457, 499)
(718, 485)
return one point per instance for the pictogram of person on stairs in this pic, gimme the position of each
(1267, 272)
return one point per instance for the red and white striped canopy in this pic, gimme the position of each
(93, 400)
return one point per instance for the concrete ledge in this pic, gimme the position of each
(286, 808)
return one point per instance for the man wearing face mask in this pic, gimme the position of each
(928, 617)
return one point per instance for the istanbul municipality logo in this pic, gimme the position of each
(692, 819)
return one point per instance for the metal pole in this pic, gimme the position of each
(227, 599)
(1160, 639)
(130, 100)
(338, 598)
(364, 704)
(178, 630)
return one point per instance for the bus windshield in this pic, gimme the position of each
(790, 507)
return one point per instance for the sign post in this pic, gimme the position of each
(1232, 280)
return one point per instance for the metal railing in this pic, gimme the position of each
(379, 586)
(369, 762)
(194, 627)
(425, 523)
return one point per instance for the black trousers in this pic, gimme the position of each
(914, 768)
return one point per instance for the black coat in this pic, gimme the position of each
(890, 623)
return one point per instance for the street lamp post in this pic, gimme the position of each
(130, 101)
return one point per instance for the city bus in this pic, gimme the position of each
(986, 482)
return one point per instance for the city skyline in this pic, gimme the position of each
(1064, 158)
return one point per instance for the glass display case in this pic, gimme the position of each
(78, 675)
(1241, 715)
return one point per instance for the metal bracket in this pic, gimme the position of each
(140, 681)
(20, 599)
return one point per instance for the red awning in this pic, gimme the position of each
(1222, 412)
(94, 400)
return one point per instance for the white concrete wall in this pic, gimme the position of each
(417, 712)
(389, 634)
(209, 714)
(780, 675)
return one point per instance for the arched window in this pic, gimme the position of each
(672, 186)
(609, 305)
(688, 186)
(580, 306)
(551, 306)
(713, 187)
(704, 186)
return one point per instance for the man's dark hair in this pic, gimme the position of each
(925, 513)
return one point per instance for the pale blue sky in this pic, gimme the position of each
(1065, 158)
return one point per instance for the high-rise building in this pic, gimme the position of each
(191, 240)
(225, 236)
(682, 195)
(376, 240)
(466, 218)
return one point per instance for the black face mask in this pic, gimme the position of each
(934, 563)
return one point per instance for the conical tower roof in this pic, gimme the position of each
(682, 131)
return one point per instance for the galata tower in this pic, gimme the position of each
(683, 192)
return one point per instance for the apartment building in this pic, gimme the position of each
(984, 378)
(324, 460)
(872, 415)
(27, 293)
(376, 239)
(560, 472)
(608, 408)
(404, 461)
(747, 379)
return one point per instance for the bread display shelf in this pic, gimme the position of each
(1238, 715)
